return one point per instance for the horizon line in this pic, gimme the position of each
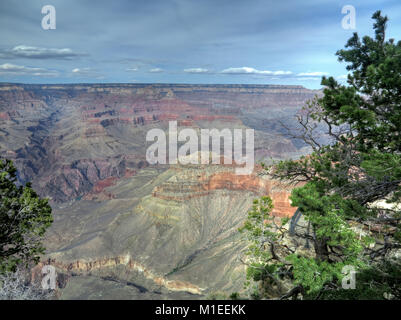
(2, 83)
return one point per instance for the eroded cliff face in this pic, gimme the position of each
(105, 265)
(177, 228)
(199, 182)
(84, 146)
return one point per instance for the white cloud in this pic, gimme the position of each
(81, 70)
(86, 73)
(308, 78)
(12, 69)
(248, 70)
(343, 77)
(132, 69)
(313, 74)
(23, 51)
(156, 70)
(196, 70)
(280, 73)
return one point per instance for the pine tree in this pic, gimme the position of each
(24, 218)
(338, 186)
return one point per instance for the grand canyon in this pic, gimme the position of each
(125, 229)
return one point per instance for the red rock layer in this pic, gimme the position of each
(184, 190)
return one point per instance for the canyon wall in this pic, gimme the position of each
(84, 147)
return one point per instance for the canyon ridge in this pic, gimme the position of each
(125, 229)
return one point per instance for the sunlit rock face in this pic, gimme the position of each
(127, 229)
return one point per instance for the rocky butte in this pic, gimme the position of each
(124, 228)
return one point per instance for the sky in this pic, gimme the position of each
(182, 41)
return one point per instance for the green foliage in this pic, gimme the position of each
(24, 218)
(377, 282)
(262, 231)
(313, 274)
(341, 182)
(235, 296)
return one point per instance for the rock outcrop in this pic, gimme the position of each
(201, 181)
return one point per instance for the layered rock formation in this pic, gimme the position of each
(198, 182)
(84, 147)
